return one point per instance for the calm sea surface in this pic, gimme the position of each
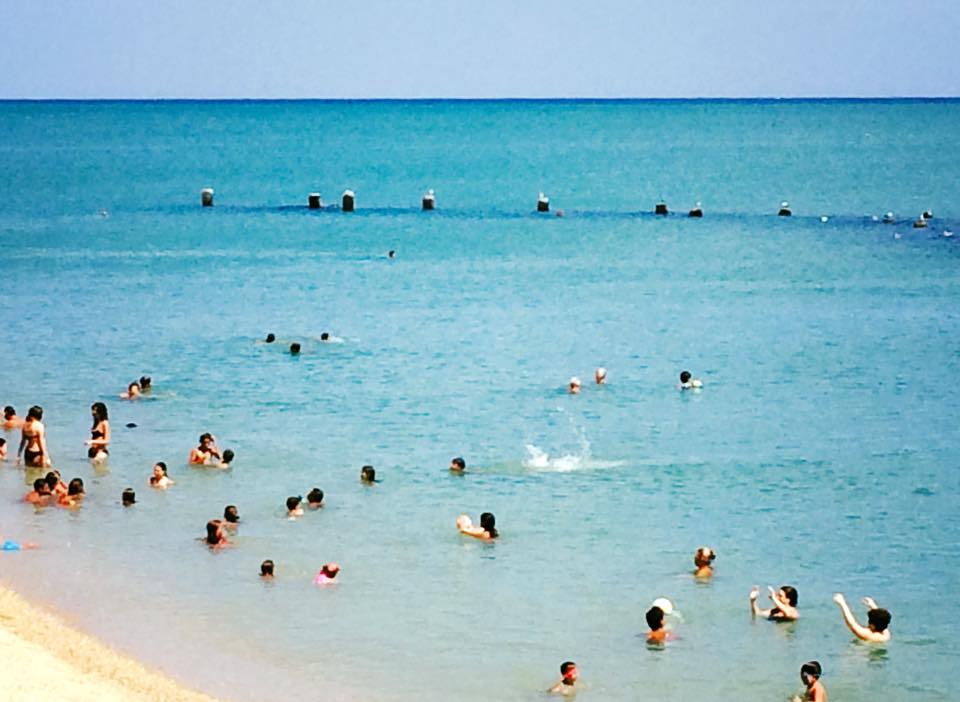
(822, 451)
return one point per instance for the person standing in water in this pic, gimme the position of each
(878, 619)
(10, 418)
(568, 680)
(785, 604)
(33, 440)
(99, 432)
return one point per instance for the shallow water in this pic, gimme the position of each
(821, 451)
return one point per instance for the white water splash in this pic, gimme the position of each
(538, 459)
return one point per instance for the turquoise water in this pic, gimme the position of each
(821, 452)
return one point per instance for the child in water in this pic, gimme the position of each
(810, 673)
(568, 680)
(878, 620)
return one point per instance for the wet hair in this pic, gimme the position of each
(39, 484)
(325, 336)
(231, 514)
(655, 618)
(52, 479)
(811, 668)
(99, 413)
(133, 385)
(163, 466)
(315, 496)
(9, 411)
(330, 572)
(129, 496)
(213, 527)
(35, 412)
(879, 619)
(75, 487)
(791, 593)
(391, 253)
(206, 436)
(685, 376)
(368, 474)
(700, 557)
(228, 455)
(270, 338)
(488, 522)
(459, 463)
(266, 568)
(293, 503)
(566, 666)
(145, 381)
(294, 348)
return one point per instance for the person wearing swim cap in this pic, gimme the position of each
(810, 673)
(368, 476)
(327, 574)
(688, 382)
(573, 387)
(231, 516)
(878, 619)
(215, 537)
(784, 601)
(600, 376)
(703, 560)
(568, 680)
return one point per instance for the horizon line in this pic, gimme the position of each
(756, 98)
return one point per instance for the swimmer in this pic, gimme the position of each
(270, 338)
(132, 393)
(315, 498)
(568, 680)
(40, 495)
(487, 531)
(573, 387)
(99, 432)
(3, 449)
(266, 570)
(327, 574)
(57, 487)
(231, 515)
(33, 440)
(368, 476)
(129, 497)
(294, 349)
(391, 254)
(600, 376)
(688, 382)
(215, 537)
(223, 462)
(658, 633)
(325, 336)
(878, 620)
(205, 451)
(75, 494)
(785, 604)
(703, 559)
(146, 383)
(810, 673)
(10, 418)
(159, 478)
(458, 465)
(294, 509)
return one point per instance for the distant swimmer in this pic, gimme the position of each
(568, 680)
(294, 509)
(784, 601)
(270, 338)
(128, 497)
(159, 477)
(658, 633)
(703, 560)
(205, 451)
(458, 465)
(600, 376)
(33, 440)
(99, 433)
(878, 620)
(231, 515)
(224, 461)
(327, 574)
(325, 336)
(3, 449)
(40, 495)
(368, 476)
(315, 498)
(133, 392)
(10, 418)
(266, 570)
(573, 387)
(146, 383)
(294, 349)
(487, 531)
(215, 537)
(75, 494)
(810, 673)
(391, 254)
(688, 382)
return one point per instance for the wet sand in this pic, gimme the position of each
(42, 659)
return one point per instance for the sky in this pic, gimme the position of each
(479, 49)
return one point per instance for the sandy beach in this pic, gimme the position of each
(42, 659)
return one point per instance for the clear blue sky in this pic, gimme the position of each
(484, 48)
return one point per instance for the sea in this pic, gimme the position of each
(821, 451)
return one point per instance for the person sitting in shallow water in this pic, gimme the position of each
(327, 574)
(487, 531)
(159, 477)
(368, 476)
(703, 560)
(688, 382)
(810, 673)
(206, 451)
(784, 600)
(878, 620)
(568, 680)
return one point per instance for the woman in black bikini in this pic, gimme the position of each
(99, 432)
(33, 440)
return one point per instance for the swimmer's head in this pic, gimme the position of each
(266, 569)
(52, 479)
(294, 348)
(9, 411)
(685, 376)
(159, 469)
(145, 382)
(35, 412)
(574, 385)
(293, 503)
(40, 485)
(789, 593)
(228, 456)
(878, 619)
(489, 524)
(270, 338)
(315, 497)
(331, 570)
(213, 532)
(368, 474)
(600, 375)
(99, 411)
(810, 671)
(655, 618)
(231, 514)
(75, 487)
(133, 389)
(129, 497)
(704, 556)
(568, 669)
(206, 438)
(325, 336)
(458, 464)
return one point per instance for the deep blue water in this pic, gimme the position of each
(821, 451)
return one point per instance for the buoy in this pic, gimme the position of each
(313, 201)
(543, 203)
(927, 214)
(660, 209)
(784, 210)
(349, 200)
(920, 223)
(697, 211)
(429, 201)
(888, 218)
(206, 197)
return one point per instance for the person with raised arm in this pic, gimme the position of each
(784, 601)
(878, 619)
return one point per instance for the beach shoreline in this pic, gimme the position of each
(45, 659)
